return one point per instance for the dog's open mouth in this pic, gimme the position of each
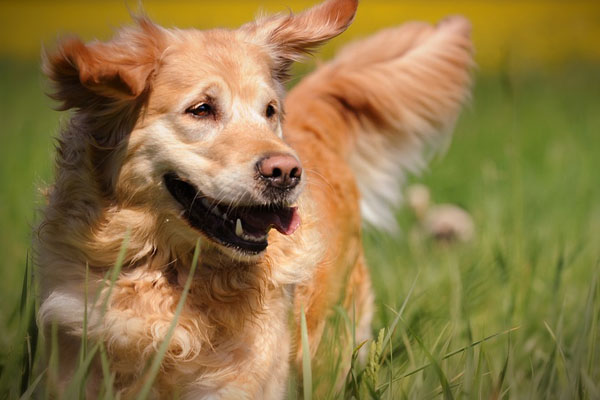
(243, 228)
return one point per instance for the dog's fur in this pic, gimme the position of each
(357, 124)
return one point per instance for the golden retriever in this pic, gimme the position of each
(180, 137)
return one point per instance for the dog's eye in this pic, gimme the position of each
(270, 111)
(201, 110)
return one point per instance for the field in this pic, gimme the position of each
(513, 314)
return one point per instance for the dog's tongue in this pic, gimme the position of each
(285, 220)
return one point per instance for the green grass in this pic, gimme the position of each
(513, 314)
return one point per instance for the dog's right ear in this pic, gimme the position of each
(116, 70)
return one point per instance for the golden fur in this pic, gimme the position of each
(357, 124)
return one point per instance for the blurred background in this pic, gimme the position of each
(524, 162)
(520, 34)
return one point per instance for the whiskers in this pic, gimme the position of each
(321, 182)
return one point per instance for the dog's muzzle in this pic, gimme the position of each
(244, 228)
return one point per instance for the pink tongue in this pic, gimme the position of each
(292, 222)
(285, 220)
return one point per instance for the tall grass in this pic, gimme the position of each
(513, 314)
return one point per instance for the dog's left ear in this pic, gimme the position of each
(289, 37)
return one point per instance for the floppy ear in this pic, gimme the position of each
(115, 70)
(289, 37)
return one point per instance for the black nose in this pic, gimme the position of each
(281, 170)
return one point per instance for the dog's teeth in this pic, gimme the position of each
(239, 231)
(254, 239)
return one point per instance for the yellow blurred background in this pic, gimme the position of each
(523, 35)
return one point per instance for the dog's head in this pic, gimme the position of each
(187, 123)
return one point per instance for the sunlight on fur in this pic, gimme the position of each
(180, 135)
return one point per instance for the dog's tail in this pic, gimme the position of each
(386, 103)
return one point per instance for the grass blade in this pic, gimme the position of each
(28, 327)
(108, 378)
(498, 391)
(392, 327)
(116, 271)
(29, 392)
(453, 353)
(77, 385)
(560, 350)
(306, 367)
(438, 370)
(84, 341)
(155, 366)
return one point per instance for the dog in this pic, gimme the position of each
(181, 140)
